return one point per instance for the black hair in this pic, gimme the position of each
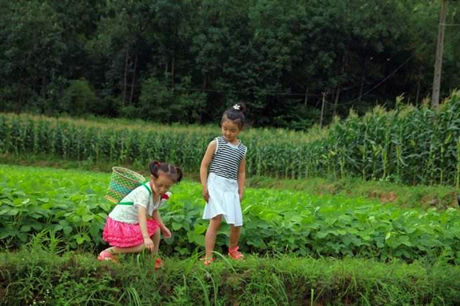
(174, 172)
(235, 114)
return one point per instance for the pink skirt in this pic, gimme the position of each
(125, 235)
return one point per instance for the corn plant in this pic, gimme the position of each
(408, 144)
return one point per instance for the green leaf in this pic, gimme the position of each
(87, 218)
(25, 228)
(67, 230)
(81, 238)
(195, 238)
(200, 229)
(12, 212)
(176, 226)
(26, 201)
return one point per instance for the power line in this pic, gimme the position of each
(387, 77)
(450, 24)
(377, 85)
(299, 94)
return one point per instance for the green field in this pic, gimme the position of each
(331, 216)
(305, 247)
(70, 205)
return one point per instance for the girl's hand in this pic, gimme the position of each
(240, 193)
(148, 243)
(166, 232)
(206, 194)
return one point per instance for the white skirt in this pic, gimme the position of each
(223, 200)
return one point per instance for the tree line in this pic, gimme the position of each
(186, 61)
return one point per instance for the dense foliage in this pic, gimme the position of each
(185, 61)
(67, 208)
(408, 145)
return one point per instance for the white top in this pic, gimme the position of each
(127, 210)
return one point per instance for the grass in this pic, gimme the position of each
(438, 196)
(35, 275)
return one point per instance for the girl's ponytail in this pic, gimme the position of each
(174, 172)
(154, 166)
(179, 173)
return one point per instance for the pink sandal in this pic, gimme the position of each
(235, 254)
(106, 255)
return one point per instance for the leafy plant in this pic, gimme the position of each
(69, 205)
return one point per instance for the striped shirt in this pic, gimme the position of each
(227, 158)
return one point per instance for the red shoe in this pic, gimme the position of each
(106, 255)
(235, 254)
(158, 263)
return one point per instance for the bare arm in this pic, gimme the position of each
(156, 216)
(166, 232)
(241, 178)
(142, 217)
(204, 168)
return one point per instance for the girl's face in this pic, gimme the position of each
(230, 130)
(161, 184)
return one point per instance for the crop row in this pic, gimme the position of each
(408, 145)
(69, 206)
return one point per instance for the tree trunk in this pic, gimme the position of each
(336, 100)
(43, 89)
(125, 77)
(361, 87)
(172, 71)
(439, 52)
(133, 81)
(305, 101)
(19, 97)
(322, 110)
(417, 93)
(205, 83)
(337, 91)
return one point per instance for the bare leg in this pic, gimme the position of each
(210, 237)
(118, 250)
(156, 241)
(137, 248)
(234, 235)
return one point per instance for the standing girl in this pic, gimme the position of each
(223, 188)
(134, 224)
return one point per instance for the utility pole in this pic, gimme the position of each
(439, 52)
